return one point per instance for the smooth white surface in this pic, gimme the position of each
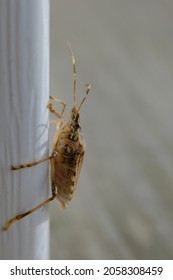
(24, 85)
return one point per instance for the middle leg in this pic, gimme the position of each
(30, 164)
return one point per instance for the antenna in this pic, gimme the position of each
(74, 71)
(85, 96)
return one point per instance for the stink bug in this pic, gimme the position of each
(67, 155)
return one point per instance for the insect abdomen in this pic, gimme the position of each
(65, 168)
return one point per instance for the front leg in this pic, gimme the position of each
(52, 109)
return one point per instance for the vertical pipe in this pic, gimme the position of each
(24, 86)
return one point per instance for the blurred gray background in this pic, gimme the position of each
(123, 206)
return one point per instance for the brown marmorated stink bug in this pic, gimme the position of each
(67, 155)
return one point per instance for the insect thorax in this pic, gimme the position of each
(70, 144)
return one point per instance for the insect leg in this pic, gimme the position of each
(59, 101)
(20, 216)
(30, 164)
(52, 109)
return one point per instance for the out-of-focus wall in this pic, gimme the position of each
(123, 206)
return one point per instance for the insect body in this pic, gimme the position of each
(67, 155)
